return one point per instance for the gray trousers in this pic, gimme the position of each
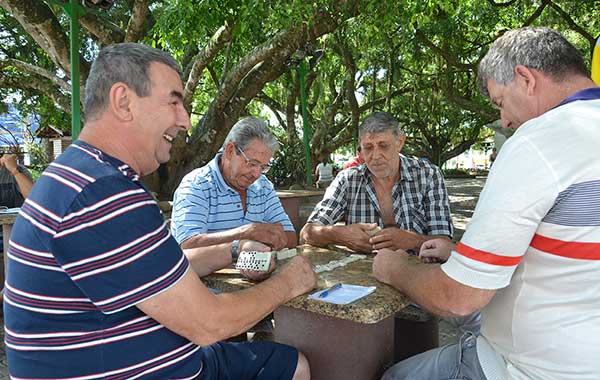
(452, 362)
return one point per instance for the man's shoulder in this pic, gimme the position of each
(419, 166)
(261, 186)
(203, 178)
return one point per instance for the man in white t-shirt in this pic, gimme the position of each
(530, 258)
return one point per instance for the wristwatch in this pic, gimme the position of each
(235, 250)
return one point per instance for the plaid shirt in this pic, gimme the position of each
(419, 199)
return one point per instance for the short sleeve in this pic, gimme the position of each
(520, 190)
(115, 246)
(274, 212)
(189, 216)
(332, 207)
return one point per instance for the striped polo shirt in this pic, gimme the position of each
(88, 245)
(205, 203)
(535, 236)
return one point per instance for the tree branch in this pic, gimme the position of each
(31, 69)
(216, 42)
(444, 53)
(39, 84)
(104, 30)
(573, 25)
(507, 4)
(39, 22)
(136, 27)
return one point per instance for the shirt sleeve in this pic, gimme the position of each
(274, 212)
(519, 191)
(189, 216)
(115, 245)
(437, 206)
(332, 207)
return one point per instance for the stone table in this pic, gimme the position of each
(354, 341)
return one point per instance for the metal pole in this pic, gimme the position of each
(305, 123)
(73, 10)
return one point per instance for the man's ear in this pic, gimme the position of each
(229, 150)
(401, 141)
(120, 98)
(527, 78)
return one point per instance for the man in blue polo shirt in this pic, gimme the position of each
(97, 288)
(230, 199)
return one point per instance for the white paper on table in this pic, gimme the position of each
(345, 294)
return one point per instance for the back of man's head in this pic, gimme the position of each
(248, 129)
(380, 122)
(126, 63)
(538, 48)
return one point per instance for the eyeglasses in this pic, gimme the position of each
(253, 164)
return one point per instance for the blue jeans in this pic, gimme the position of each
(452, 362)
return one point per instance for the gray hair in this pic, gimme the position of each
(249, 128)
(380, 122)
(538, 48)
(127, 63)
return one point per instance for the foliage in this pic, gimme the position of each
(416, 60)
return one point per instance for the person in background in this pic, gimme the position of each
(493, 156)
(97, 287)
(324, 173)
(355, 161)
(530, 256)
(15, 184)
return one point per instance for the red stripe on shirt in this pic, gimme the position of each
(487, 257)
(570, 249)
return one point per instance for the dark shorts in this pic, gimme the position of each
(248, 361)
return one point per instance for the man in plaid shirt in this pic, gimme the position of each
(403, 196)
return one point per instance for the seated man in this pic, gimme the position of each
(404, 196)
(530, 256)
(97, 288)
(230, 199)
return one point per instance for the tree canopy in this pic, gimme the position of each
(416, 59)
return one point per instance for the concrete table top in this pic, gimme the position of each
(381, 304)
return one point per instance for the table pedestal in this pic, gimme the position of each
(337, 349)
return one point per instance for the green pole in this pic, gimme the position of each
(305, 124)
(73, 9)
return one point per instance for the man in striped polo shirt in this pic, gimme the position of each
(530, 257)
(97, 288)
(231, 199)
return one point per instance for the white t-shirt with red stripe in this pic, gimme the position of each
(535, 236)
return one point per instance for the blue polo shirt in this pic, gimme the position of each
(205, 203)
(90, 244)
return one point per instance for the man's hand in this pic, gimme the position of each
(9, 161)
(387, 263)
(251, 245)
(395, 238)
(299, 276)
(271, 234)
(356, 237)
(436, 250)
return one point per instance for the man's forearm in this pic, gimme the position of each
(25, 184)
(206, 260)
(204, 240)
(428, 286)
(320, 235)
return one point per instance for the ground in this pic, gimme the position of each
(463, 197)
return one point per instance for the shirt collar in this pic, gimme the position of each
(214, 167)
(587, 94)
(124, 168)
